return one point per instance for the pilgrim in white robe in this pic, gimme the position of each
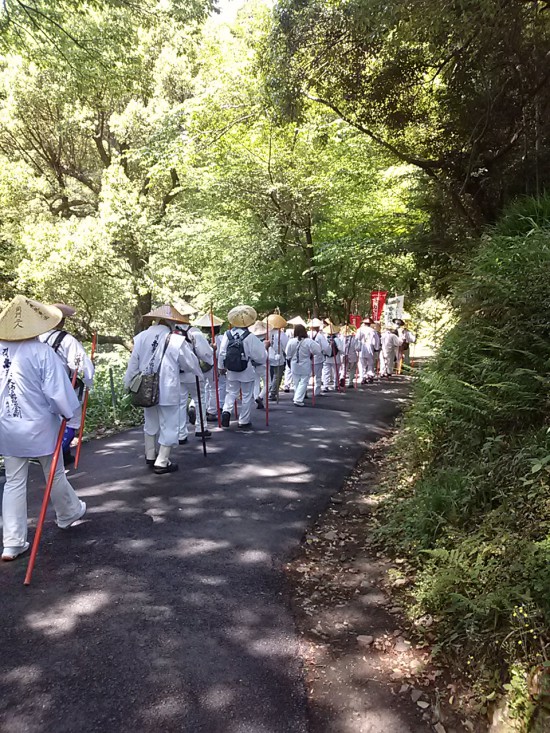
(35, 393)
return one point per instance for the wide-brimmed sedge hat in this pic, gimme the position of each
(331, 329)
(399, 321)
(205, 321)
(275, 320)
(367, 319)
(185, 308)
(242, 316)
(165, 313)
(296, 321)
(315, 323)
(67, 310)
(24, 318)
(258, 329)
(347, 330)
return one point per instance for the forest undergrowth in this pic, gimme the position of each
(470, 505)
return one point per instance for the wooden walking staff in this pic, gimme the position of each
(216, 378)
(84, 407)
(47, 494)
(334, 354)
(312, 358)
(267, 374)
(199, 400)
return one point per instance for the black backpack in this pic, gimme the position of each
(235, 359)
(333, 344)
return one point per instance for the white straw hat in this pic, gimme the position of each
(315, 323)
(185, 308)
(275, 320)
(297, 321)
(258, 329)
(67, 310)
(24, 318)
(205, 322)
(167, 313)
(242, 316)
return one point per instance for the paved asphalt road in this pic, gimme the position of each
(165, 610)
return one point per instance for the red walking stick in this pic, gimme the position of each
(84, 407)
(334, 354)
(216, 379)
(267, 375)
(203, 426)
(313, 380)
(47, 493)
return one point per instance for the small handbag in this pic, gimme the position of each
(146, 392)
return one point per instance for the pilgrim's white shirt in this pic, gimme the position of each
(72, 354)
(279, 340)
(201, 349)
(254, 350)
(368, 339)
(349, 347)
(145, 358)
(35, 392)
(322, 341)
(299, 352)
(390, 342)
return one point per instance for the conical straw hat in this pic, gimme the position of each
(331, 328)
(315, 323)
(347, 330)
(205, 322)
(298, 320)
(258, 329)
(67, 310)
(24, 318)
(242, 316)
(165, 312)
(275, 320)
(185, 308)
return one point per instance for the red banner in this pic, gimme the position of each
(377, 300)
(355, 321)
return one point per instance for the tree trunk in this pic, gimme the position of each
(143, 306)
(310, 257)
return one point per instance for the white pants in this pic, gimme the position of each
(288, 378)
(349, 373)
(387, 359)
(329, 375)
(259, 388)
(318, 371)
(14, 504)
(162, 420)
(190, 389)
(300, 385)
(367, 364)
(233, 389)
(210, 392)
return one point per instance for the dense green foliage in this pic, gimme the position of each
(460, 91)
(146, 165)
(476, 517)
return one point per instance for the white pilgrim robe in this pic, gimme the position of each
(35, 392)
(255, 352)
(279, 340)
(145, 358)
(74, 357)
(202, 350)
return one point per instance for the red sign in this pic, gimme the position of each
(377, 300)
(355, 321)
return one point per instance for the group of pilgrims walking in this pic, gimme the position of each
(186, 376)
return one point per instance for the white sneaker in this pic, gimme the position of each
(10, 553)
(299, 404)
(80, 513)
